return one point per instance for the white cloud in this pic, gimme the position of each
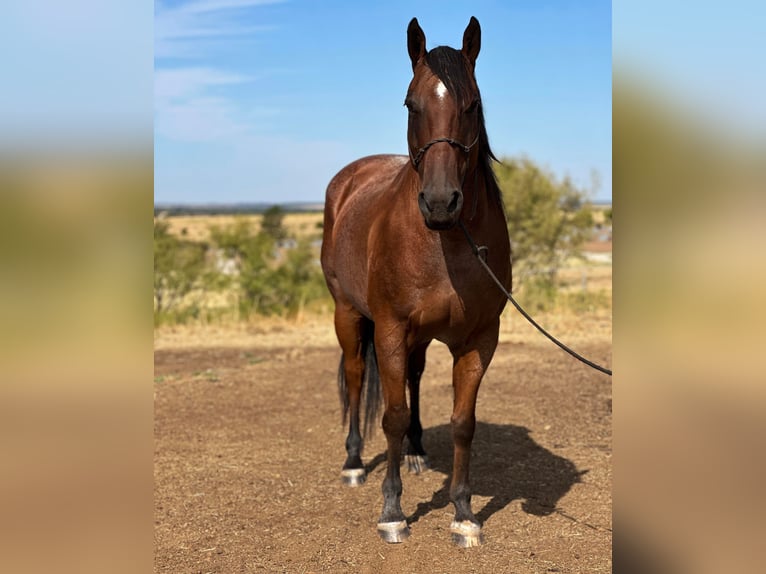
(173, 83)
(191, 102)
(215, 5)
(186, 107)
(199, 120)
(178, 30)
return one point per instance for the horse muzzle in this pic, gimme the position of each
(440, 211)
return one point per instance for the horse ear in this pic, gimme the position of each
(472, 41)
(416, 41)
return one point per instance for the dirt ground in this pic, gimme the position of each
(249, 445)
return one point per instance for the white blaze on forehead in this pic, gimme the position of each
(441, 89)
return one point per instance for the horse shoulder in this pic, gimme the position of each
(357, 198)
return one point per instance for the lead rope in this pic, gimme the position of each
(481, 256)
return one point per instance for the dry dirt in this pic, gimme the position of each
(249, 445)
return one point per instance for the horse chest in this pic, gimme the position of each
(433, 305)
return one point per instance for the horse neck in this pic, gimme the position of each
(477, 202)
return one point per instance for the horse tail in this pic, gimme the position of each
(370, 382)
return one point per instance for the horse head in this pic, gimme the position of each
(445, 122)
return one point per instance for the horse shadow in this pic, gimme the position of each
(506, 465)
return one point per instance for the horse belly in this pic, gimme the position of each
(453, 316)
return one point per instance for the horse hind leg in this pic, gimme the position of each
(392, 524)
(415, 455)
(353, 472)
(349, 327)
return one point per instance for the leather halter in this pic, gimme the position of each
(421, 152)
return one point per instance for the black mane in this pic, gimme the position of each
(451, 68)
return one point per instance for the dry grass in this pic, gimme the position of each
(197, 227)
(269, 332)
(316, 330)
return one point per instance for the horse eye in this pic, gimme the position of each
(410, 107)
(473, 107)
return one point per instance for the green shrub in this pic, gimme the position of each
(581, 302)
(179, 270)
(548, 222)
(538, 294)
(271, 280)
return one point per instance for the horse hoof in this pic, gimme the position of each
(417, 463)
(394, 532)
(466, 534)
(353, 476)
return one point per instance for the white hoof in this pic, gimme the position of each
(394, 532)
(353, 476)
(466, 534)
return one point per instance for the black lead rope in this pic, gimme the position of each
(481, 256)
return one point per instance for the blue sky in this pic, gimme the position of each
(264, 101)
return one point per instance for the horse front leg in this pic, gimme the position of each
(470, 364)
(392, 364)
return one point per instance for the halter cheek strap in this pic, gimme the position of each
(422, 151)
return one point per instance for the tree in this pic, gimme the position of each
(272, 225)
(548, 222)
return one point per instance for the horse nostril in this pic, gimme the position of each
(423, 202)
(453, 203)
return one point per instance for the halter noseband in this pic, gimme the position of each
(450, 141)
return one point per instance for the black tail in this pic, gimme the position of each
(371, 382)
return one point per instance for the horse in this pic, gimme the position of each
(402, 273)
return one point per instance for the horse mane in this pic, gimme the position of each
(450, 67)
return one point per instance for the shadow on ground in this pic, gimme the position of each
(506, 464)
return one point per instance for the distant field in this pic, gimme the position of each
(298, 224)
(197, 227)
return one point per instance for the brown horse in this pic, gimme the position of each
(401, 272)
